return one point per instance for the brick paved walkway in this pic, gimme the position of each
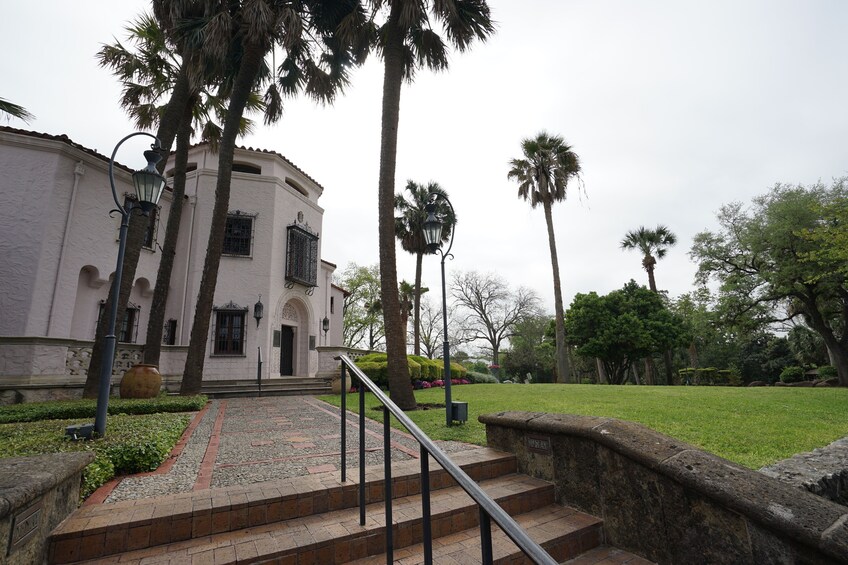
(249, 440)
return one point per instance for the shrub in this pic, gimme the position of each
(87, 408)
(482, 378)
(792, 374)
(728, 377)
(827, 372)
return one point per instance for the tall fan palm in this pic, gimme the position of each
(317, 58)
(408, 40)
(148, 74)
(143, 81)
(549, 164)
(653, 244)
(409, 229)
(13, 110)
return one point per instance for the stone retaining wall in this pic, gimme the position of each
(823, 472)
(667, 500)
(36, 493)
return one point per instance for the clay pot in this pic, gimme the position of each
(336, 384)
(141, 381)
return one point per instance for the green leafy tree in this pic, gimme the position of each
(13, 110)
(409, 229)
(543, 174)
(363, 320)
(762, 261)
(532, 350)
(621, 327)
(407, 41)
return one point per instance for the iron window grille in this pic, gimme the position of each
(228, 330)
(129, 328)
(149, 241)
(302, 256)
(152, 225)
(169, 335)
(238, 234)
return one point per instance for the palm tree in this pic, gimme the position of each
(317, 61)
(409, 226)
(653, 244)
(407, 41)
(543, 176)
(13, 110)
(144, 84)
(148, 75)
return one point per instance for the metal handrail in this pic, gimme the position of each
(489, 509)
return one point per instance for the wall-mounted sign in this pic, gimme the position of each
(538, 444)
(24, 526)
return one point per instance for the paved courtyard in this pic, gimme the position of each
(249, 440)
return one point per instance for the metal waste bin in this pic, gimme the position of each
(459, 411)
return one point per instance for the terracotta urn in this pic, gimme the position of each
(141, 381)
(336, 384)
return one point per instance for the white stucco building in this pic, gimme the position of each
(58, 248)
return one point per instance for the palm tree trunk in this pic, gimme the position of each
(400, 387)
(416, 314)
(135, 234)
(153, 342)
(563, 372)
(243, 85)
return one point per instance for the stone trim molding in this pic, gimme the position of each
(667, 500)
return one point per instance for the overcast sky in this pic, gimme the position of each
(674, 107)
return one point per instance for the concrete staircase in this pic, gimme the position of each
(277, 386)
(315, 520)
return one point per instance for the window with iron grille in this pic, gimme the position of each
(238, 235)
(302, 256)
(128, 331)
(169, 335)
(229, 332)
(150, 232)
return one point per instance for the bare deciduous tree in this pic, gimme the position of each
(488, 308)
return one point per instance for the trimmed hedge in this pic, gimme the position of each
(87, 408)
(375, 367)
(793, 374)
(482, 378)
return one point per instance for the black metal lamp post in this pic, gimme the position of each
(149, 185)
(433, 238)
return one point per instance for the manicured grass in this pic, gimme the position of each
(751, 426)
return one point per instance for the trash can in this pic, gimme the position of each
(459, 411)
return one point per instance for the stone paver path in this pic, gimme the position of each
(249, 440)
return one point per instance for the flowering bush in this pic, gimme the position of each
(438, 382)
(425, 384)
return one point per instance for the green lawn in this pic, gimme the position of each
(751, 426)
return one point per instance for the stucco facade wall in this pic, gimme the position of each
(61, 246)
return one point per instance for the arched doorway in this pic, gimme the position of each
(293, 350)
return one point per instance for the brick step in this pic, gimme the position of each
(563, 532)
(606, 555)
(337, 537)
(108, 529)
(281, 386)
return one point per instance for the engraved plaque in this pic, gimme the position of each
(24, 525)
(538, 444)
(276, 338)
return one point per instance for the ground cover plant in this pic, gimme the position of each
(139, 434)
(751, 426)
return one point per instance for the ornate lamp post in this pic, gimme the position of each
(433, 238)
(149, 185)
